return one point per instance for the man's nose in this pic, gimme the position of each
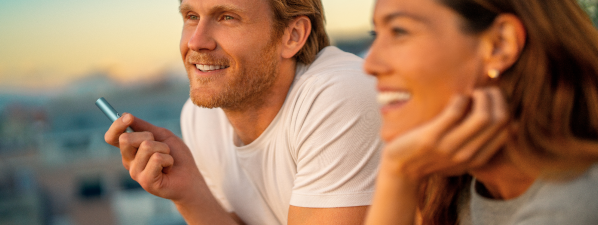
(202, 38)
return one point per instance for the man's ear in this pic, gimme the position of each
(295, 36)
(503, 42)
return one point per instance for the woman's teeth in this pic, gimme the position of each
(207, 68)
(385, 98)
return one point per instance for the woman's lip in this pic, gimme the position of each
(390, 89)
(392, 107)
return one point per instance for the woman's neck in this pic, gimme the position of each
(503, 179)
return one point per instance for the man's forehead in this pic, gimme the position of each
(230, 5)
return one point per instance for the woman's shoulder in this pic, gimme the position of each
(568, 202)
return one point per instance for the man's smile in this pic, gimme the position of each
(208, 68)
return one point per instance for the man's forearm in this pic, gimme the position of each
(203, 208)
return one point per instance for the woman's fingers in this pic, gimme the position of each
(455, 141)
(409, 149)
(476, 139)
(477, 120)
(489, 150)
(451, 115)
(487, 117)
(480, 147)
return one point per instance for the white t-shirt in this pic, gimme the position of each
(321, 150)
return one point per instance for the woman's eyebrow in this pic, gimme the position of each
(399, 14)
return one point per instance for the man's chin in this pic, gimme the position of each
(204, 104)
(205, 100)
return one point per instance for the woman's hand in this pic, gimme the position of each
(459, 139)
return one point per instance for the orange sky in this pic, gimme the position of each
(49, 43)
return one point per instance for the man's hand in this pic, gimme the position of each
(163, 165)
(156, 158)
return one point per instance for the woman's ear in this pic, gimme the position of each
(295, 36)
(504, 43)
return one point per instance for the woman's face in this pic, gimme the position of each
(421, 58)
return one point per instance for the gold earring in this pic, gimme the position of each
(493, 73)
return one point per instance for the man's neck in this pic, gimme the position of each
(503, 179)
(251, 120)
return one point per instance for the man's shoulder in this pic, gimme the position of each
(332, 60)
(332, 56)
(335, 69)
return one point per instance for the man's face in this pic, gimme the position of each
(229, 52)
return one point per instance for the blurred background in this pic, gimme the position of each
(57, 57)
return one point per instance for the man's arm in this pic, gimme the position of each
(341, 215)
(163, 165)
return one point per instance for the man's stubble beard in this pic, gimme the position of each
(245, 87)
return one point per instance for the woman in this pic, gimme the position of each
(490, 112)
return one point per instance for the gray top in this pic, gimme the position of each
(571, 202)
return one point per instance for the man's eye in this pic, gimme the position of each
(227, 17)
(192, 17)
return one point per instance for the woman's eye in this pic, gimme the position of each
(397, 31)
(373, 34)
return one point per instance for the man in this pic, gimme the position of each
(281, 128)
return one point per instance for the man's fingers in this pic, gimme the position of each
(144, 153)
(160, 134)
(151, 176)
(118, 127)
(130, 142)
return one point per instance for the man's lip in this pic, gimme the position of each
(210, 67)
(205, 74)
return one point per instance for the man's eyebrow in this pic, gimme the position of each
(218, 8)
(184, 8)
(395, 15)
(227, 8)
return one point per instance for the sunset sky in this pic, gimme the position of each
(48, 43)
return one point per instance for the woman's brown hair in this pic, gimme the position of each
(552, 92)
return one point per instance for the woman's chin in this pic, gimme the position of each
(389, 133)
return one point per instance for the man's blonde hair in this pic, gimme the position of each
(286, 10)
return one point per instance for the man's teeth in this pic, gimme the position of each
(385, 98)
(206, 68)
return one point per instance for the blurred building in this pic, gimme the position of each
(55, 167)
